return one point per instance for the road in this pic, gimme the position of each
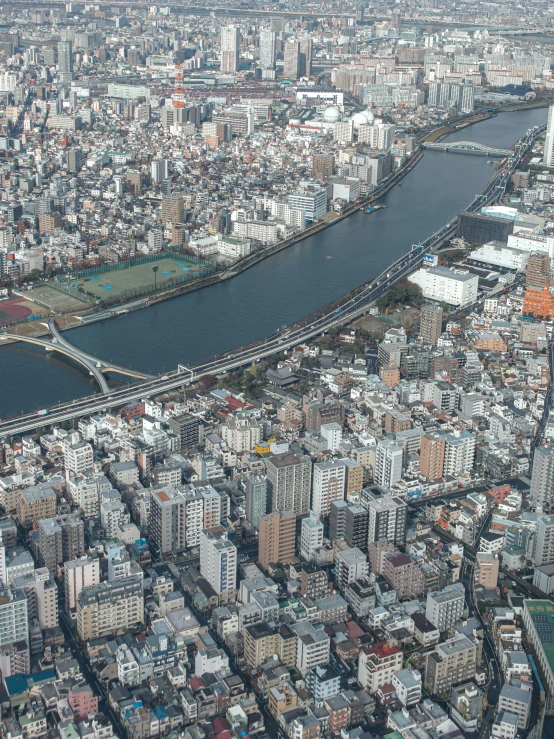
(354, 305)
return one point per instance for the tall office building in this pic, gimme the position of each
(305, 57)
(542, 479)
(75, 159)
(277, 538)
(291, 69)
(268, 46)
(329, 480)
(387, 521)
(388, 463)
(230, 46)
(290, 479)
(548, 159)
(218, 562)
(173, 209)
(431, 456)
(255, 494)
(65, 60)
(431, 323)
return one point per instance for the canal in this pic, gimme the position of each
(195, 327)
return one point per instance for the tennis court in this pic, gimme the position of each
(118, 282)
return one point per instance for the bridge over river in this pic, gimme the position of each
(466, 147)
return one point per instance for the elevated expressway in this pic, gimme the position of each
(352, 306)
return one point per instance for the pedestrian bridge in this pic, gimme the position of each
(467, 146)
(96, 367)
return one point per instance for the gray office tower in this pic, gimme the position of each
(255, 493)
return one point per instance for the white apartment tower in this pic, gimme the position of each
(230, 45)
(542, 479)
(268, 45)
(548, 159)
(218, 562)
(388, 463)
(329, 479)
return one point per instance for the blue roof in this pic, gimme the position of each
(16, 684)
(161, 712)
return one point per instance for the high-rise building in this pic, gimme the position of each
(311, 535)
(41, 592)
(537, 273)
(14, 624)
(548, 159)
(387, 520)
(65, 60)
(110, 607)
(289, 477)
(159, 169)
(431, 323)
(323, 165)
(544, 542)
(75, 159)
(328, 485)
(349, 522)
(57, 540)
(255, 494)
(388, 463)
(291, 69)
(78, 574)
(230, 46)
(277, 538)
(218, 562)
(445, 607)
(187, 428)
(542, 478)
(450, 663)
(173, 209)
(305, 57)
(178, 516)
(431, 458)
(268, 42)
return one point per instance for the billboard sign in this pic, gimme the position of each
(430, 260)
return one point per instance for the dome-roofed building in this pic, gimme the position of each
(359, 119)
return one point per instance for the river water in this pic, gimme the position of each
(194, 328)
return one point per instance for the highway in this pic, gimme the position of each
(354, 305)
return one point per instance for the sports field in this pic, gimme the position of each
(19, 309)
(121, 282)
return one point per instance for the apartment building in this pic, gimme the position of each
(34, 503)
(277, 538)
(313, 646)
(445, 607)
(329, 479)
(377, 665)
(311, 536)
(387, 520)
(78, 574)
(431, 459)
(350, 564)
(218, 563)
(405, 575)
(517, 698)
(57, 540)
(486, 570)
(289, 482)
(110, 608)
(450, 663)
(14, 624)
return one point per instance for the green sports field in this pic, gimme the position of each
(118, 282)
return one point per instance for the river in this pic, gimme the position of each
(195, 327)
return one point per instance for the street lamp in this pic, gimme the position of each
(155, 269)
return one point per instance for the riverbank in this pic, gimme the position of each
(79, 319)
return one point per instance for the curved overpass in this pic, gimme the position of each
(68, 352)
(98, 363)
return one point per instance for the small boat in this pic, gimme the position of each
(373, 208)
